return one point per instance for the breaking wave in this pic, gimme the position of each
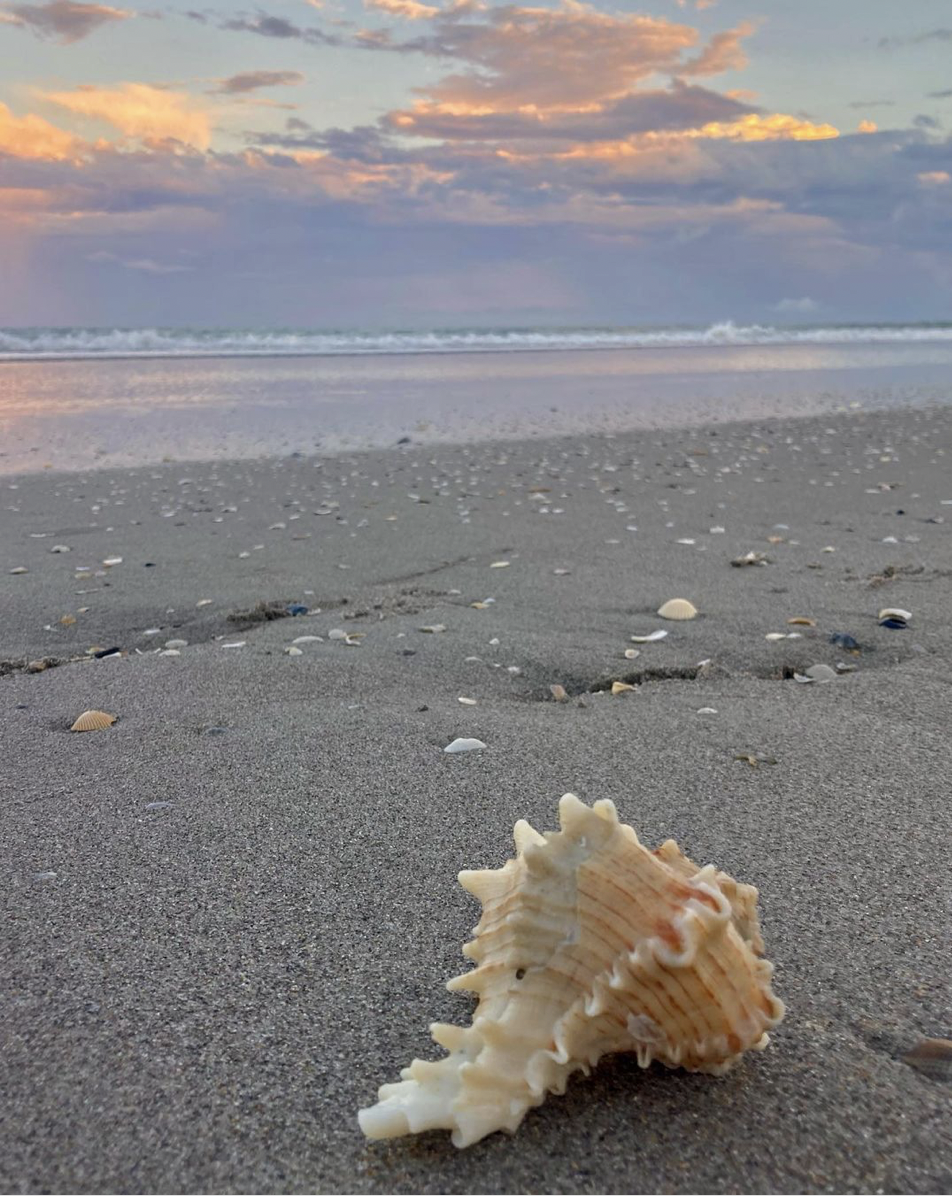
(67, 343)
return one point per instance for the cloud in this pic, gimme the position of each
(412, 10)
(252, 80)
(934, 178)
(144, 264)
(564, 58)
(871, 104)
(275, 27)
(33, 137)
(64, 20)
(151, 114)
(796, 306)
(678, 107)
(940, 95)
(933, 35)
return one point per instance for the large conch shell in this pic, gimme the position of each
(588, 944)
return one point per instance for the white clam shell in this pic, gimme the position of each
(588, 944)
(678, 608)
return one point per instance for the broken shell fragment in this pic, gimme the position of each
(801, 621)
(621, 687)
(894, 618)
(678, 608)
(750, 558)
(558, 692)
(463, 745)
(93, 720)
(588, 944)
(648, 639)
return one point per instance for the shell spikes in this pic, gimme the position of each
(588, 944)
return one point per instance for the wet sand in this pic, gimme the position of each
(230, 917)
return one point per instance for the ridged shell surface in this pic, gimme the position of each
(678, 608)
(588, 944)
(93, 720)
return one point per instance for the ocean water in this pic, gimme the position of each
(80, 398)
(69, 343)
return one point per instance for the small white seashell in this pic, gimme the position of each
(773, 636)
(678, 608)
(112, 560)
(500, 565)
(308, 639)
(648, 639)
(707, 710)
(236, 644)
(292, 651)
(466, 701)
(204, 602)
(61, 548)
(894, 612)
(176, 643)
(816, 672)
(336, 633)
(622, 687)
(464, 745)
(170, 652)
(632, 654)
(152, 631)
(20, 569)
(686, 541)
(434, 628)
(158, 805)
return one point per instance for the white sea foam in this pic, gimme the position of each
(64, 343)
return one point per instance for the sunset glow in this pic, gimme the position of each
(396, 135)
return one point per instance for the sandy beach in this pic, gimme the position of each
(231, 916)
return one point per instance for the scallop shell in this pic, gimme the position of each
(588, 944)
(93, 720)
(678, 608)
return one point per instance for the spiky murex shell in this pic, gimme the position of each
(588, 944)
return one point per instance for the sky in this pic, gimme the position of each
(408, 164)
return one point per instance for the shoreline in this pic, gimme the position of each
(232, 914)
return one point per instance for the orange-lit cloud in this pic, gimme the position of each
(867, 126)
(412, 10)
(150, 114)
(562, 59)
(768, 128)
(934, 178)
(33, 137)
